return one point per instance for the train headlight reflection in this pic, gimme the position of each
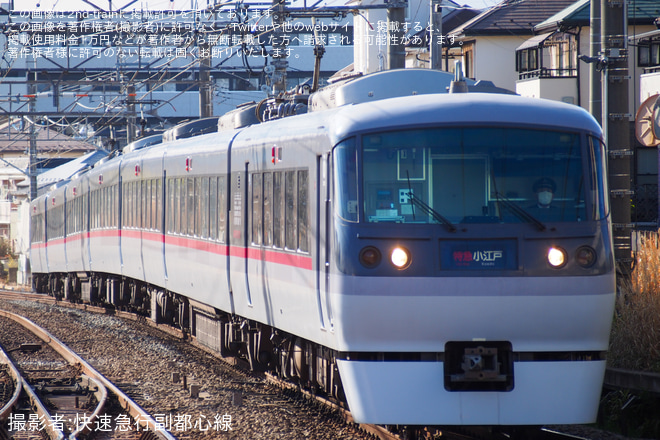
(557, 257)
(585, 256)
(370, 257)
(400, 258)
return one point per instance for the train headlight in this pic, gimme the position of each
(585, 256)
(400, 257)
(557, 257)
(370, 257)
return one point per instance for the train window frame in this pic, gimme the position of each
(345, 188)
(159, 204)
(213, 208)
(204, 207)
(575, 143)
(179, 205)
(303, 210)
(290, 210)
(182, 218)
(278, 210)
(145, 201)
(190, 207)
(138, 205)
(598, 172)
(257, 208)
(170, 212)
(268, 209)
(223, 209)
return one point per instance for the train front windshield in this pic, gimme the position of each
(470, 175)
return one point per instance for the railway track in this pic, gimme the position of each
(55, 388)
(369, 431)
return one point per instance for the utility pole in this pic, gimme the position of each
(396, 50)
(205, 98)
(435, 46)
(32, 152)
(616, 125)
(595, 99)
(131, 129)
(279, 55)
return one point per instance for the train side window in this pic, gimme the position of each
(278, 210)
(151, 205)
(197, 200)
(133, 207)
(257, 220)
(176, 206)
(95, 209)
(598, 159)
(159, 204)
(290, 216)
(111, 206)
(105, 207)
(111, 201)
(183, 194)
(190, 205)
(204, 207)
(268, 209)
(345, 180)
(303, 217)
(69, 217)
(213, 208)
(98, 209)
(222, 208)
(108, 206)
(125, 198)
(138, 203)
(145, 202)
(170, 211)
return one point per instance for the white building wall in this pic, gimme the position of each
(5, 213)
(20, 236)
(649, 85)
(556, 89)
(495, 60)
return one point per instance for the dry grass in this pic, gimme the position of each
(635, 339)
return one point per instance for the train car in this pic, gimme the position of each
(434, 259)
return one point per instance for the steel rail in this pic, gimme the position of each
(126, 402)
(17, 379)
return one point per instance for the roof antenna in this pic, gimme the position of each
(458, 85)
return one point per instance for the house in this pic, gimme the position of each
(648, 59)
(549, 65)
(53, 148)
(487, 44)
(417, 44)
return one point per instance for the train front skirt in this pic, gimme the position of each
(413, 393)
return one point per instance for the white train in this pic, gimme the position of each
(397, 253)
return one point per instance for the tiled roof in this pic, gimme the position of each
(14, 140)
(512, 17)
(639, 12)
(450, 21)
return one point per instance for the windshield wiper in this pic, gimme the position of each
(427, 209)
(431, 212)
(520, 212)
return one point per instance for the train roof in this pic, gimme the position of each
(461, 108)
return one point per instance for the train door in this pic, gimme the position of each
(323, 239)
(238, 238)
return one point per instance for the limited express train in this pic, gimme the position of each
(395, 253)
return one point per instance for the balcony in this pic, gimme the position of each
(555, 84)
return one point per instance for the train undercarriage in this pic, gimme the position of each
(261, 347)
